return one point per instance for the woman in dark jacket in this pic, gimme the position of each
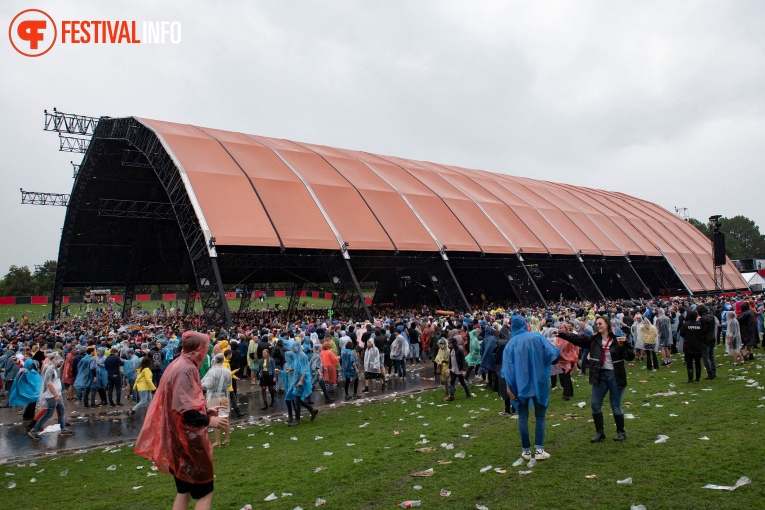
(607, 373)
(457, 366)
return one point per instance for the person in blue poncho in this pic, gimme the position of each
(288, 375)
(526, 364)
(300, 385)
(350, 368)
(84, 378)
(26, 388)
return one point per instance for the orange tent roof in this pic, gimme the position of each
(299, 195)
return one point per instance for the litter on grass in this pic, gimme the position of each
(445, 493)
(459, 455)
(320, 468)
(705, 438)
(518, 462)
(741, 481)
(425, 449)
(485, 469)
(626, 481)
(661, 439)
(524, 472)
(590, 477)
(427, 472)
(113, 467)
(417, 487)
(327, 453)
(500, 471)
(481, 507)
(532, 463)
(271, 497)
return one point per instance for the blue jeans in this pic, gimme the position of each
(708, 353)
(51, 406)
(523, 424)
(400, 367)
(583, 359)
(606, 383)
(415, 348)
(145, 400)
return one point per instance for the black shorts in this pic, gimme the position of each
(197, 490)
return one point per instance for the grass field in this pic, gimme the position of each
(665, 476)
(36, 312)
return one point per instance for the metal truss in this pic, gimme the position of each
(87, 168)
(191, 297)
(73, 144)
(630, 279)
(127, 302)
(244, 304)
(204, 264)
(37, 198)
(446, 285)
(297, 290)
(348, 300)
(75, 169)
(719, 279)
(113, 208)
(134, 158)
(70, 123)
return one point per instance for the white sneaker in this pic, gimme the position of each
(526, 455)
(543, 455)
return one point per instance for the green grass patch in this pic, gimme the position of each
(669, 475)
(36, 313)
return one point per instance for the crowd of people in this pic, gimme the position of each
(522, 353)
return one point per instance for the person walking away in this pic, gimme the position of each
(50, 392)
(329, 367)
(67, 374)
(371, 365)
(747, 323)
(350, 368)
(301, 386)
(607, 373)
(442, 366)
(112, 365)
(132, 362)
(526, 362)
(398, 354)
(691, 333)
(473, 358)
(174, 434)
(649, 336)
(708, 330)
(664, 333)
(143, 385)
(733, 338)
(456, 369)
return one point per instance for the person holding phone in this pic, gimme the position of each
(607, 373)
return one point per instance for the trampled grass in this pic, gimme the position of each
(669, 475)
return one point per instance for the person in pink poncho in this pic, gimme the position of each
(174, 433)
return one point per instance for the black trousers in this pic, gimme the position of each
(690, 360)
(565, 382)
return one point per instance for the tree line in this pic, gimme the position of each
(743, 239)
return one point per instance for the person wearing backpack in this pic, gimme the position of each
(156, 356)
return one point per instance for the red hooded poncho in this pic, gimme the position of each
(176, 447)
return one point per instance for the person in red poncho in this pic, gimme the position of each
(174, 433)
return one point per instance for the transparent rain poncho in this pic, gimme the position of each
(217, 381)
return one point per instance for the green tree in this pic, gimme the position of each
(742, 237)
(703, 227)
(18, 282)
(44, 277)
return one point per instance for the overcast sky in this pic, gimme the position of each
(661, 100)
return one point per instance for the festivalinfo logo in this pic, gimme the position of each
(34, 32)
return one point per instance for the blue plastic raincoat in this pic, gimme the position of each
(26, 386)
(300, 367)
(526, 363)
(84, 378)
